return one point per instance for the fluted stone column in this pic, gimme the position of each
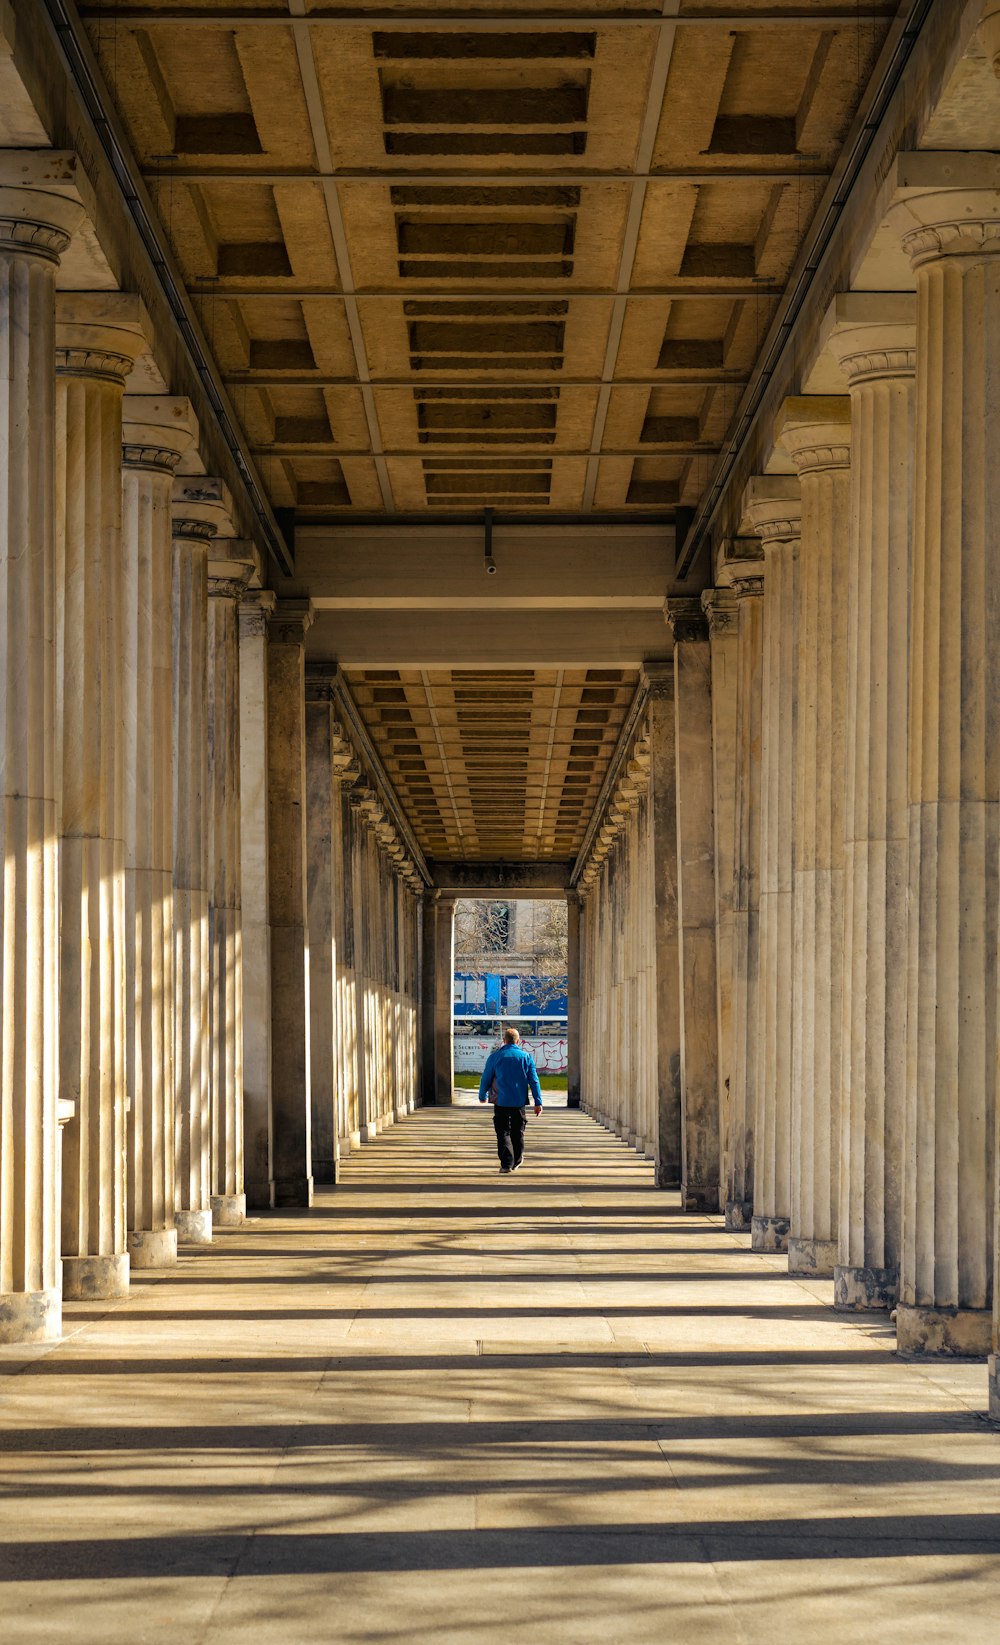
(253, 616)
(35, 228)
(200, 510)
(772, 508)
(230, 568)
(696, 910)
(156, 432)
(748, 591)
(321, 796)
(873, 337)
(952, 235)
(666, 1026)
(719, 606)
(438, 972)
(98, 339)
(815, 431)
(573, 1000)
(347, 991)
(286, 744)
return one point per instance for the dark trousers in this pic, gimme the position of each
(508, 1123)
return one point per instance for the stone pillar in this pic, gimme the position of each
(200, 510)
(155, 434)
(230, 568)
(953, 238)
(286, 751)
(438, 999)
(699, 1030)
(35, 228)
(98, 339)
(771, 506)
(815, 431)
(321, 794)
(573, 1000)
(719, 606)
(347, 987)
(253, 616)
(666, 1025)
(873, 337)
(748, 591)
(367, 1129)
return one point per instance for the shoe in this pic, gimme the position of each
(505, 1170)
(517, 1166)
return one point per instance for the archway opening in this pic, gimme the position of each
(511, 969)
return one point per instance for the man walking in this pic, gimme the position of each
(515, 1074)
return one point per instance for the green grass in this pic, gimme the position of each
(548, 1082)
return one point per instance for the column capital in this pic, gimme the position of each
(658, 676)
(872, 335)
(201, 507)
(734, 556)
(815, 431)
(157, 429)
(946, 205)
(748, 588)
(100, 334)
(685, 618)
(290, 621)
(254, 612)
(40, 205)
(719, 606)
(232, 562)
(772, 506)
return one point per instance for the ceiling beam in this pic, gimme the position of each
(509, 879)
(155, 173)
(486, 293)
(299, 379)
(477, 21)
(508, 453)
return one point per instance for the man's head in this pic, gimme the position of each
(511, 1036)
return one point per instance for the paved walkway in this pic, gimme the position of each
(448, 1408)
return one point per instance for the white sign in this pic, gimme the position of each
(471, 1054)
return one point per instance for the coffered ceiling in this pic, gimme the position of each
(449, 258)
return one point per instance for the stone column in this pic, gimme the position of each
(324, 1081)
(719, 606)
(573, 1000)
(438, 999)
(35, 228)
(696, 906)
(156, 432)
(230, 568)
(873, 337)
(253, 616)
(98, 339)
(666, 1026)
(367, 1130)
(286, 751)
(815, 431)
(347, 990)
(200, 510)
(771, 506)
(748, 591)
(953, 238)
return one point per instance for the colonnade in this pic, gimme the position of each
(853, 764)
(153, 722)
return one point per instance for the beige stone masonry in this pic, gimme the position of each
(952, 235)
(772, 508)
(722, 615)
(156, 432)
(98, 339)
(873, 337)
(253, 615)
(815, 431)
(36, 225)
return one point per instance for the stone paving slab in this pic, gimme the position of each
(448, 1409)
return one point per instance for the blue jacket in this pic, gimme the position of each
(515, 1073)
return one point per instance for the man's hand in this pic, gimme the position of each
(538, 1107)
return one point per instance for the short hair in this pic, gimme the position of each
(511, 1036)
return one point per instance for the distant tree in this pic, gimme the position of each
(483, 935)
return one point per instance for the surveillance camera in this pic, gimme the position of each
(491, 568)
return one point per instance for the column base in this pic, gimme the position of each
(862, 1289)
(228, 1210)
(260, 1195)
(700, 1199)
(194, 1227)
(354, 1140)
(98, 1278)
(953, 1333)
(666, 1176)
(30, 1316)
(401, 1114)
(769, 1233)
(639, 1145)
(324, 1170)
(152, 1247)
(994, 1370)
(738, 1216)
(815, 1257)
(293, 1193)
(369, 1132)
